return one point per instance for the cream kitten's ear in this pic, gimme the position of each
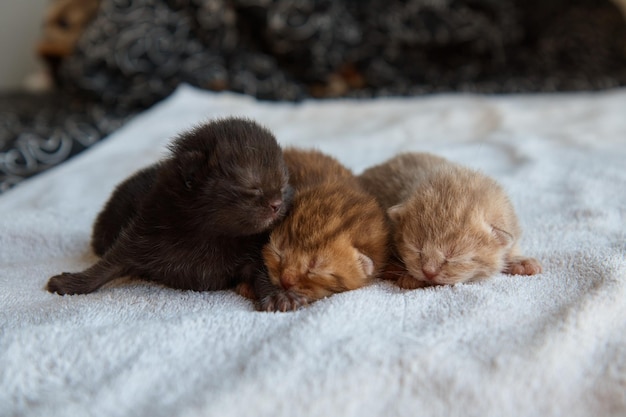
(395, 212)
(366, 263)
(502, 236)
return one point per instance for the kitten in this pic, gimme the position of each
(451, 224)
(196, 220)
(121, 208)
(334, 239)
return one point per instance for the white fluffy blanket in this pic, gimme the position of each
(547, 345)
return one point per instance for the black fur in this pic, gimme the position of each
(196, 220)
(121, 208)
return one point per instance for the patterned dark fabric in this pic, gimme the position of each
(39, 131)
(136, 52)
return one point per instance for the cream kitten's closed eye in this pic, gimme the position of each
(442, 270)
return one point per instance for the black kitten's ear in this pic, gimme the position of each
(188, 164)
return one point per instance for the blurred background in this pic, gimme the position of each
(20, 29)
(73, 71)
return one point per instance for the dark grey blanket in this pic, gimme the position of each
(135, 52)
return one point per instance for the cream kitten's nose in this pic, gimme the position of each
(430, 272)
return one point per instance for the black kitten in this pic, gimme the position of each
(122, 206)
(196, 220)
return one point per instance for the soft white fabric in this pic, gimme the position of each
(548, 345)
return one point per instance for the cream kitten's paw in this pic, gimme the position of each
(408, 282)
(523, 266)
(283, 301)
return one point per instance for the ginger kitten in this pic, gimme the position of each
(451, 224)
(334, 239)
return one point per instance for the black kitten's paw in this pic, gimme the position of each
(65, 283)
(283, 301)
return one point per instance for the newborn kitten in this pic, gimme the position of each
(334, 239)
(121, 208)
(451, 224)
(196, 220)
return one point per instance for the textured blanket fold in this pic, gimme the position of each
(550, 345)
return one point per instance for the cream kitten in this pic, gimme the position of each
(451, 224)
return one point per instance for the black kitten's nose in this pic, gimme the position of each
(275, 205)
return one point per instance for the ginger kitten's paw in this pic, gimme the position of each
(283, 301)
(245, 290)
(66, 283)
(523, 266)
(408, 282)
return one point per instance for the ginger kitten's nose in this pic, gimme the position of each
(287, 281)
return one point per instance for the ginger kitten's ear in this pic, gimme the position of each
(502, 236)
(366, 263)
(395, 212)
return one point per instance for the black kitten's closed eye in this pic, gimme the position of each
(248, 191)
(255, 191)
